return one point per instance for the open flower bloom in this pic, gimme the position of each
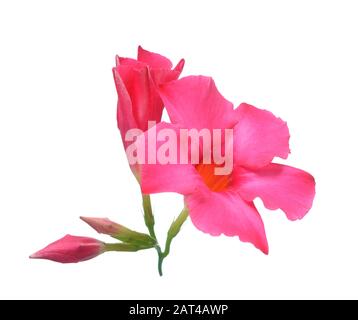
(223, 204)
(136, 83)
(70, 249)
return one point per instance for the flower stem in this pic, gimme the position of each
(148, 215)
(160, 262)
(149, 222)
(172, 232)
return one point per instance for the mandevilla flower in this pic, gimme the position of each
(223, 204)
(225, 163)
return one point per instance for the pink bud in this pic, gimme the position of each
(115, 230)
(103, 225)
(70, 249)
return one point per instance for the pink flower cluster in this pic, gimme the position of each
(216, 203)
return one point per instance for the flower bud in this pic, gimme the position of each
(70, 249)
(117, 231)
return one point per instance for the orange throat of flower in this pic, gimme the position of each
(214, 182)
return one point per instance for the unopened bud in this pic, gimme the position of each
(70, 249)
(117, 231)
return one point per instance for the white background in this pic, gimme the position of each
(61, 154)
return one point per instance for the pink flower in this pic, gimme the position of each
(136, 82)
(223, 204)
(71, 249)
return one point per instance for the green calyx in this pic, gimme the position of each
(134, 237)
(132, 241)
(128, 247)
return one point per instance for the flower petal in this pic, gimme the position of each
(123, 61)
(171, 177)
(259, 136)
(195, 102)
(226, 213)
(125, 117)
(146, 103)
(279, 187)
(180, 178)
(179, 67)
(161, 76)
(154, 60)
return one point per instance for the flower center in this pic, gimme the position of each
(214, 182)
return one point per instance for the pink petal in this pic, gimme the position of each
(125, 117)
(195, 102)
(226, 213)
(122, 61)
(154, 60)
(103, 225)
(145, 101)
(259, 136)
(279, 187)
(71, 249)
(179, 67)
(178, 178)
(161, 76)
(175, 177)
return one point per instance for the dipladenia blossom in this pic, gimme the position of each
(220, 158)
(136, 83)
(223, 204)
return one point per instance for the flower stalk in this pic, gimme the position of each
(128, 247)
(172, 232)
(148, 215)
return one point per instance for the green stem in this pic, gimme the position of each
(148, 215)
(149, 222)
(160, 260)
(174, 230)
(172, 233)
(160, 264)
